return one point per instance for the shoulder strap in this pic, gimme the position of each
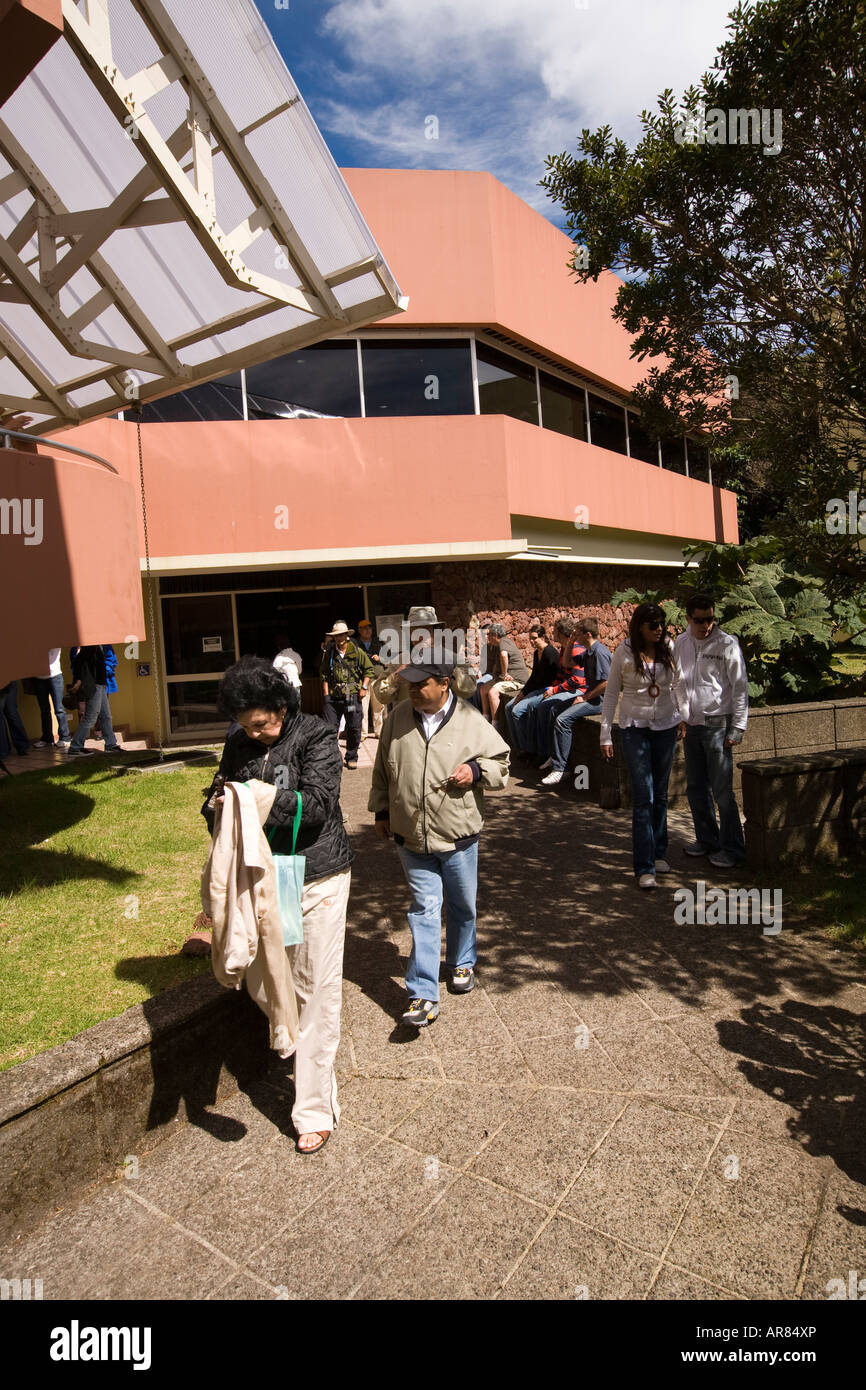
(296, 825)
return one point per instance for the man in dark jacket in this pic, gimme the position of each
(89, 682)
(299, 755)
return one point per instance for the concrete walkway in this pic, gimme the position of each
(623, 1108)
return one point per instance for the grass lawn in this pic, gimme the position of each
(832, 896)
(99, 884)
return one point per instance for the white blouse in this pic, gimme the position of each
(638, 709)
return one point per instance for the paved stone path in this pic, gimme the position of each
(623, 1108)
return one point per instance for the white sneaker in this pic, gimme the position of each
(647, 881)
(695, 849)
(722, 860)
(552, 778)
(663, 867)
(545, 767)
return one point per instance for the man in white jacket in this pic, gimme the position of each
(716, 712)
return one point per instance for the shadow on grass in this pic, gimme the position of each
(40, 805)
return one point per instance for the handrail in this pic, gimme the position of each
(55, 444)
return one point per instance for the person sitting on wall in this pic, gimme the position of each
(596, 669)
(346, 672)
(509, 671)
(425, 632)
(545, 664)
(523, 714)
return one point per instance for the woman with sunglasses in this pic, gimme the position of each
(646, 681)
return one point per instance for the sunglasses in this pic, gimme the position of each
(653, 626)
(703, 622)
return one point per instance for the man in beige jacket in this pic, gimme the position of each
(435, 756)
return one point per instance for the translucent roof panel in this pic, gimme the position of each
(170, 211)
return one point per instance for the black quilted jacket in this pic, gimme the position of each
(306, 759)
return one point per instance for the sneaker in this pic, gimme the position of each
(421, 1012)
(552, 778)
(662, 866)
(695, 849)
(723, 860)
(463, 979)
(63, 742)
(545, 767)
(647, 881)
(113, 748)
(43, 743)
(81, 752)
(351, 766)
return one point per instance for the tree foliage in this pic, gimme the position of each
(788, 625)
(746, 263)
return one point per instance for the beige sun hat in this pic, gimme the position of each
(340, 630)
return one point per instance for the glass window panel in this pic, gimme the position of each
(199, 635)
(563, 407)
(315, 382)
(216, 400)
(192, 704)
(607, 424)
(506, 386)
(674, 455)
(640, 444)
(699, 462)
(406, 376)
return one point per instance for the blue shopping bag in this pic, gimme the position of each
(290, 882)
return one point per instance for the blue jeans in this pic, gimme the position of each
(97, 707)
(710, 773)
(649, 755)
(49, 691)
(563, 729)
(452, 876)
(545, 714)
(520, 719)
(9, 712)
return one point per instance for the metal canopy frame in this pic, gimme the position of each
(48, 243)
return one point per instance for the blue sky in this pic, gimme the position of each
(508, 81)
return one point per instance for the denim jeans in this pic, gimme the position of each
(649, 755)
(9, 713)
(563, 729)
(452, 876)
(545, 714)
(49, 691)
(334, 710)
(710, 773)
(97, 707)
(520, 719)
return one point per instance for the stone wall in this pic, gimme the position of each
(515, 592)
(806, 804)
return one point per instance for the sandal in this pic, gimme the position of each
(324, 1135)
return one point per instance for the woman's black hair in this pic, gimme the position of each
(252, 683)
(648, 612)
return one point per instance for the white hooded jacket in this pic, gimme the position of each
(714, 679)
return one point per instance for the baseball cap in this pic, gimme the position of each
(418, 672)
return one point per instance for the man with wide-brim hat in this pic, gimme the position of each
(346, 671)
(436, 755)
(421, 628)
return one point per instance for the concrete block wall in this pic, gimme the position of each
(805, 804)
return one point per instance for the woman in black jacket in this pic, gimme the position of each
(298, 753)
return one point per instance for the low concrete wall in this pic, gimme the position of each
(777, 731)
(69, 1117)
(804, 805)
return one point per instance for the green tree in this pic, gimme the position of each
(745, 263)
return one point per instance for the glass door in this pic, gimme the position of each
(199, 636)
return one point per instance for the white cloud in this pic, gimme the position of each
(510, 80)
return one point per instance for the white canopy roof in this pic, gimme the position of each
(169, 212)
